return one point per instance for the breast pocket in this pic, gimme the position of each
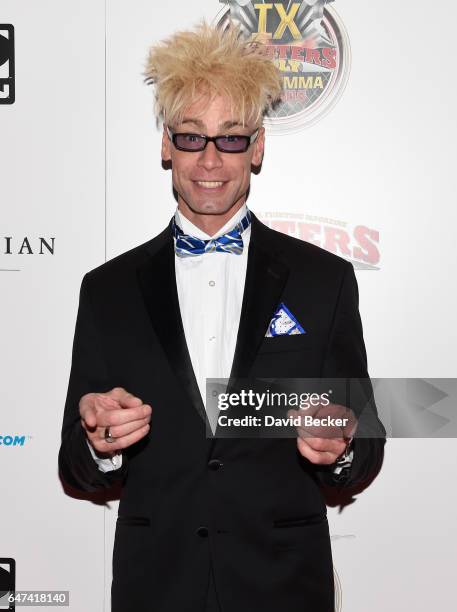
(295, 342)
(297, 356)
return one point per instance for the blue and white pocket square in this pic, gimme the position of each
(283, 323)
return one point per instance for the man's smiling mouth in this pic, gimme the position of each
(210, 184)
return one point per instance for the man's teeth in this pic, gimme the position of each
(210, 184)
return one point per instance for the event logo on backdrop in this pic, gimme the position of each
(7, 582)
(7, 78)
(358, 244)
(13, 440)
(309, 44)
(25, 245)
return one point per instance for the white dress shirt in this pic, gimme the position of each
(210, 291)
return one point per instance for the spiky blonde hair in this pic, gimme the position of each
(209, 61)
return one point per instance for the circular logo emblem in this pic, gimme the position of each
(310, 46)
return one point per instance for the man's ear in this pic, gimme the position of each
(259, 147)
(166, 148)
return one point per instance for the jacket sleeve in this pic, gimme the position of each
(88, 374)
(346, 359)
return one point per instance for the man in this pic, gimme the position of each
(212, 524)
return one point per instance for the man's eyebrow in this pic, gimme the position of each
(224, 125)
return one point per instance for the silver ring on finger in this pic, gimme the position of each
(108, 437)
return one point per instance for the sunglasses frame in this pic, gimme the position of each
(173, 136)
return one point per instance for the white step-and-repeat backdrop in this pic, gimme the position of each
(361, 161)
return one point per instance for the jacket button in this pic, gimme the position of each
(202, 532)
(215, 464)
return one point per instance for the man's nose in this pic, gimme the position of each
(210, 157)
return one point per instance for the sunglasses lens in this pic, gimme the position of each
(190, 142)
(228, 144)
(232, 144)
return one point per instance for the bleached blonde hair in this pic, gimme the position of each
(209, 61)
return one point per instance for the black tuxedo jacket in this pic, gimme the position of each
(253, 509)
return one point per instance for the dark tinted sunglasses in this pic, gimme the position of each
(230, 143)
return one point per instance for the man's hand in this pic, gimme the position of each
(126, 416)
(323, 442)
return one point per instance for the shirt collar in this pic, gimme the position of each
(192, 230)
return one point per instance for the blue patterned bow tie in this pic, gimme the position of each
(231, 242)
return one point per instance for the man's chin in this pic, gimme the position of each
(210, 208)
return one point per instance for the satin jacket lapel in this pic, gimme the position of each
(157, 279)
(266, 276)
